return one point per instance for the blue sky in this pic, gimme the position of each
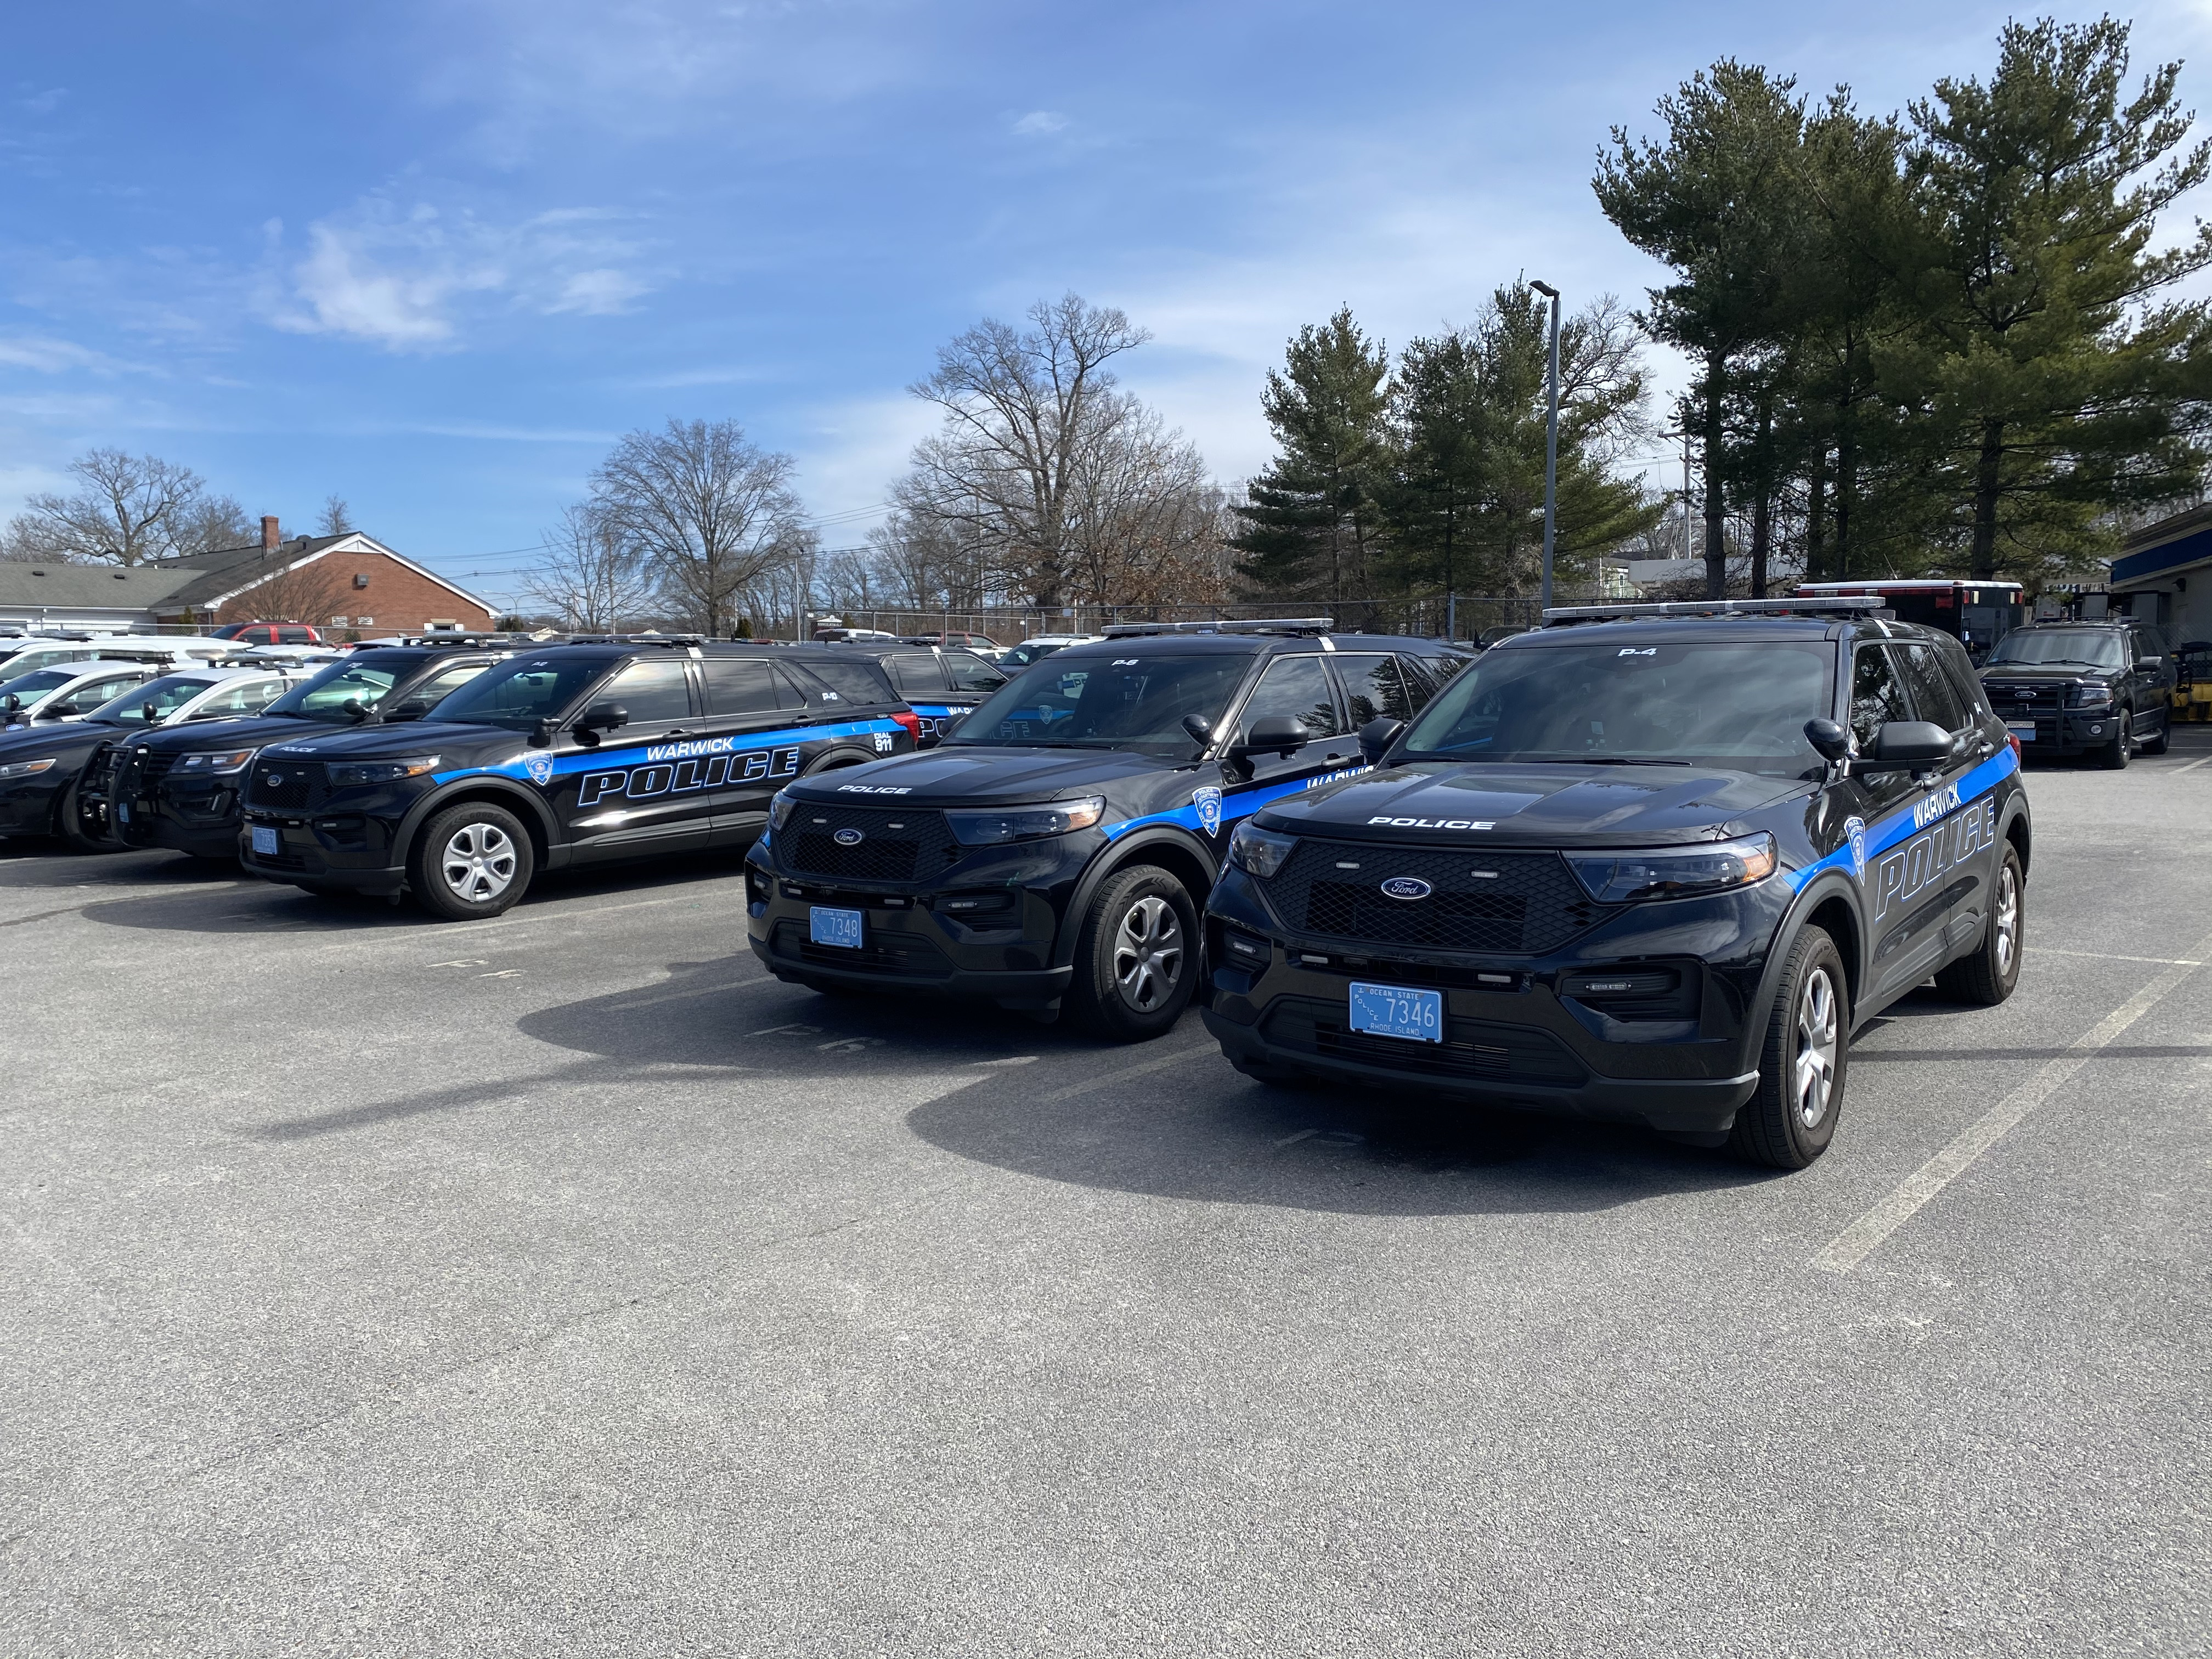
(434, 258)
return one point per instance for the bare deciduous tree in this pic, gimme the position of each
(216, 521)
(132, 508)
(591, 579)
(296, 589)
(1023, 409)
(336, 518)
(711, 513)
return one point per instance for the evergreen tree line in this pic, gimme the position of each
(1396, 481)
(1947, 341)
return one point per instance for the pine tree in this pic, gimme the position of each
(1310, 521)
(2058, 388)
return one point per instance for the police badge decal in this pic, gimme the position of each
(1208, 802)
(540, 768)
(1855, 833)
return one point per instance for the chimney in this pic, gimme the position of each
(269, 538)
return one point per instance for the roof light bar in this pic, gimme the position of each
(1818, 605)
(1266, 625)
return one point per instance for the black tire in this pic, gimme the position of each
(1136, 959)
(2113, 757)
(69, 825)
(470, 861)
(2157, 746)
(1791, 1117)
(1986, 977)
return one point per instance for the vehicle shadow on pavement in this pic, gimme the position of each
(57, 867)
(1050, 1101)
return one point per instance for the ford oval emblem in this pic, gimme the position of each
(848, 838)
(1406, 887)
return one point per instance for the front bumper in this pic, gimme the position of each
(1521, 1033)
(2057, 733)
(26, 806)
(202, 820)
(988, 931)
(338, 848)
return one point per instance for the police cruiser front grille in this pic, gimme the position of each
(1517, 903)
(288, 783)
(864, 843)
(153, 767)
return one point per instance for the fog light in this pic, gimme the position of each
(2096, 731)
(1243, 948)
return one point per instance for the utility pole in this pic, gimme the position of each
(1551, 445)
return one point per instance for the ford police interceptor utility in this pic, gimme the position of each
(181, 789)
(567, 755)
(939, 683)
(1648, 863)
(1057, 845)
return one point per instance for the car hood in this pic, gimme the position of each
(54, 737)
(234, 733)
(1507, 804)
(981, 776)
(398, 738)
(2028, 673)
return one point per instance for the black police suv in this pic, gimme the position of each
(1637, 865)
(1055, 846)
(182, 789)
(52, 770)
(562, 755)
(939, 683)
(2070, 688)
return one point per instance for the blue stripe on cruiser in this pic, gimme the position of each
(1242, 804)
(608, 760)
(1902, 824)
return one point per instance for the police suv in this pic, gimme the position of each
(564, 755)
(1057, 844)
(181, 789)
(940, 683)
(1648, 863)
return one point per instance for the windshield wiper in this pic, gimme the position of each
(2049, 662)
(1626, 760)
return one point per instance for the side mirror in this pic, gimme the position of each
(1906, 746)
(150, 714)
(541, 735)
(1278, 734)
(1200, 727)
(1377, 736)
(1830, 741)
(602, 717)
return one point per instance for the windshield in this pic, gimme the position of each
(1022, 655)
(1100, 702)
(35, 684)
(518, 694)
(167, 695)
(2080, 649)
(1735, 704)
(325, 696)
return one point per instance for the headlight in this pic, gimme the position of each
(780, 809)
(1263, 851)
(1674, 872)
(1053, 817)
(25, 769)
(352, 774)
(2090, 695)
(214, 765)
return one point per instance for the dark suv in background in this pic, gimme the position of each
(939, 683)
(2074, 688)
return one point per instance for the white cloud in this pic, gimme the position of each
(411, 281)
(44, 354)
(1040, 122)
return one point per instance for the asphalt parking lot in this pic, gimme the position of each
(563, 1285)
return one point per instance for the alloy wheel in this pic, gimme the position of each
(1148, 953)
(2007, 918)
(479, 862)
(1813, 1079)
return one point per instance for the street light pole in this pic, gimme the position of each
(1550, 445)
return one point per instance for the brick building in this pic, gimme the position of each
(346, 585)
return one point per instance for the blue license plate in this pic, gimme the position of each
(264, 841)
(122, 812)
(828, 927)
(1392, 1010)
(2024, 729)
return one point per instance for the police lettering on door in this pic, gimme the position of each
(672, 768)
(1907, 871)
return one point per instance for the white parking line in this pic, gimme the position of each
(2103, 955)
(1866, 1235)
(1159, 1064)
(2194, 764)
(696, 991)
